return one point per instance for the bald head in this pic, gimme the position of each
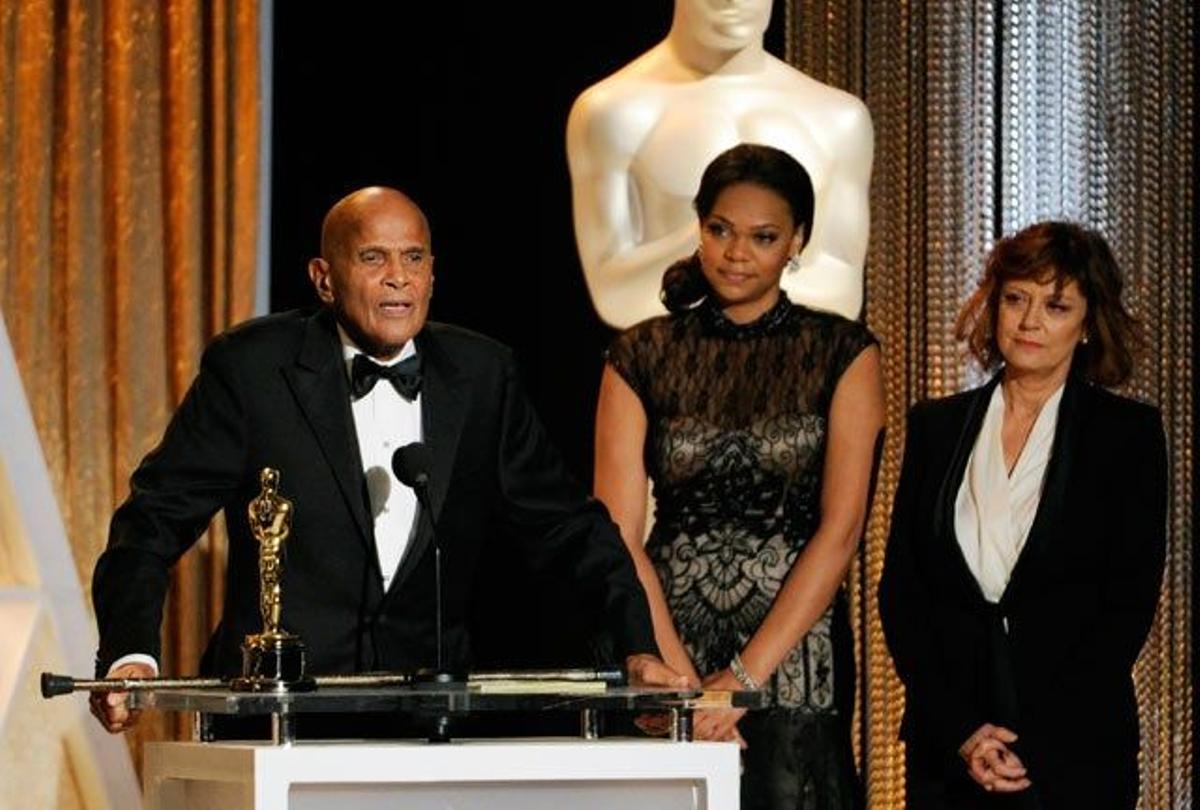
(375, 270)
(345, 219)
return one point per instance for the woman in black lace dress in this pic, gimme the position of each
(756, 419)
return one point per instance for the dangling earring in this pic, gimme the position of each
(793, 264)
(1084, 339)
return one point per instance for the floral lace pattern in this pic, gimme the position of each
(737, 427)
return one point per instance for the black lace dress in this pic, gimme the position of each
(735, 449)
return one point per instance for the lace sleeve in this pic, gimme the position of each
(626, 355)
(849, 340)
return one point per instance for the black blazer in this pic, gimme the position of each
(1078, 606)
(274, 392)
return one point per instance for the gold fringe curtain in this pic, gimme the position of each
(990, 114)
(129, 142)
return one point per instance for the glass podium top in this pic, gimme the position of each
(443, 698)
(588, 692)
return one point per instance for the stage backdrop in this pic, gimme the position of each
(128, 147)
(128, 216)
(988, 115)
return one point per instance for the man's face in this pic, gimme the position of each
(377, 274)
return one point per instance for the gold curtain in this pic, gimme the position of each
(129, 142)
(990, 114)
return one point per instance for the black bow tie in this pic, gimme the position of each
(404, 376)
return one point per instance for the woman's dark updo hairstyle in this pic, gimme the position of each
(1060, 252)
(683, 284)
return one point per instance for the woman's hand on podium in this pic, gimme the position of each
(112, 708)
(720, 725)
(649, 670)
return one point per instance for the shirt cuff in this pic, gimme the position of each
(134, 658)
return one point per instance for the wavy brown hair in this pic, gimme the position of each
(1060, 252)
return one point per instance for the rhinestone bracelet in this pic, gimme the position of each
(739, 671)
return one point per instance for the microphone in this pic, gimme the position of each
(411, 465)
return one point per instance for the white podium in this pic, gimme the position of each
(290, 773)
(551, 774)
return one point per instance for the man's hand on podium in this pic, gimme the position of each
(112, 708)
(649, 670)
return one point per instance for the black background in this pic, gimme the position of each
(464, 107)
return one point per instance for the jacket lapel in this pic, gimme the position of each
(1054, 488)
(318, 381)
(444, 403)
(947, 496)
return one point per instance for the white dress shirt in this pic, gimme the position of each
(994, 511)
(384, 422)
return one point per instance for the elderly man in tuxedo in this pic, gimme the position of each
(326, 399)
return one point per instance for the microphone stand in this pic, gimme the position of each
(440, 675)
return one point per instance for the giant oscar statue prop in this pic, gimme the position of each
(273, 660)
(638, 141)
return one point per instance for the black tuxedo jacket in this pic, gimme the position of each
(1077, 608)
(274, 392)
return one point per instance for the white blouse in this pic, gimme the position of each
(994, 511)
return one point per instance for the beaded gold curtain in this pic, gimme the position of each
(990, 114)
(128, 206)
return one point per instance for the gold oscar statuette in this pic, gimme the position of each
(273, 660)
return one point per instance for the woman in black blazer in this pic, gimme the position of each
(1027, 544)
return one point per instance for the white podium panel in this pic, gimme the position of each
(461, 775)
